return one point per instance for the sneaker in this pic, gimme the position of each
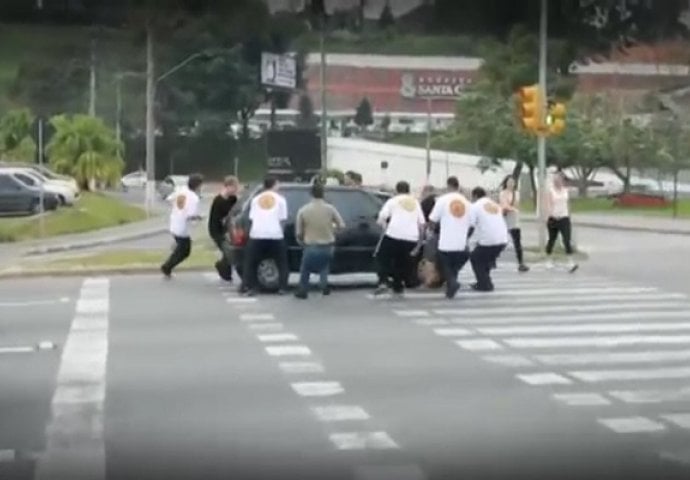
(166, 273)
(452, 291)
(326, 291)
(573, 267)
(398, 295)
(477, 288)
(523, 268)
(380, 290)
(301, 294)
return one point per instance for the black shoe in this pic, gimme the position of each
(167, 274)
(452, 291)
(573, 268)
(380, 290)
(477, 288)
(301, 294)
(523, 268)
(326, 291)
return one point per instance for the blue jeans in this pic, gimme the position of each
(315, 259)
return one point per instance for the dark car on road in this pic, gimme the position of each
(19, 199)
(355, 245)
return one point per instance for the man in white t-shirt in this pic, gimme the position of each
(491, 232)
(268, 212)
(403, 219)
(184, 210)
(452, 213)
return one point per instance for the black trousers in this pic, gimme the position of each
(516, 235)
(261, 249)
(225, 262)
(396, 261)
(183, 247)
(556, 226)
(451, 263)
(482, 259)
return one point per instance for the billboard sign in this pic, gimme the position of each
(433, 86)
(279, 71)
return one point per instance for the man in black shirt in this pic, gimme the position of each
(220, 208)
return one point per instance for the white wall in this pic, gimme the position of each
(409, 163)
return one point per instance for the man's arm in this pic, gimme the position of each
(337, 218)
(384, 214)
(299, 226)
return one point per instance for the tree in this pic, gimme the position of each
(364, 116)
(386, 125)
(386, 20)
(16, 142)
(306, 118)
(84, 147)
(672, 143)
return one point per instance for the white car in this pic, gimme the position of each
(133, 180)
(31, 178)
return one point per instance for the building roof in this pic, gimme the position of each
(404, 62)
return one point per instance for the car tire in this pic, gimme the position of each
(36, 207)
(268, 275)
(62, 200)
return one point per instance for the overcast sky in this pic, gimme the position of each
(372, 10)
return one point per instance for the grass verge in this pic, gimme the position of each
(93, 211)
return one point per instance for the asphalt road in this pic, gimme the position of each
(551, 376)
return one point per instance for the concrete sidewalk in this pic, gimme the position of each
(633, 223)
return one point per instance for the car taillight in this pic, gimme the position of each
(238, 236)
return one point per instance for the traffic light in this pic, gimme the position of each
(530, 108)
(556, 118)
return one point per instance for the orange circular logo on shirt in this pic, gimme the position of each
(491, 208)
(181, 201)
(457, 208)
(266, 201)
(408, 204)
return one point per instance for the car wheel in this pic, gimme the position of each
(268, 275)
(62, 200)
(36, 207)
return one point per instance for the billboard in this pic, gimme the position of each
(433, 86)
(279, 71)
(293, 154)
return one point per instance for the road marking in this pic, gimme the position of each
(288, 350)
(266, 327)
(8, 350)
(601, 342)
(564, 318)
(652, 396)
(257, 317)
(632, 425)
(241, 300)
(556, 309)
(654, 356)
(389, 472)
(547, 378)
(430, 322)
(411, 313)
(479, 345)
(362, 441)
(278, 337)
(541, 292)
(585, 328)
(34, 303)
(453, 332)
(74, 436)
(509, 360)
(595, 376)
(340, 413)
(301, 367)
(582, 399)
(7, 456)
(489, 301)
(681, 420)
(317, 389)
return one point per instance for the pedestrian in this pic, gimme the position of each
(557, 208)
(403, 219)
(509, 199)
(315, 229)
(433, 271)
(217, 229)
(184, 211)
(486, 218)
(452, 214)
(267, 213)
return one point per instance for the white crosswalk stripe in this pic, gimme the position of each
(587, 342)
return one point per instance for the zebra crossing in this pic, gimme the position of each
(620, 349)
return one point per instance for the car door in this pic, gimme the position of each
(12, 198)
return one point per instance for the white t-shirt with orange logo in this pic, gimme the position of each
(489, 225)
(404, 216)
(266, 212)
(185, 205)
(452, 212)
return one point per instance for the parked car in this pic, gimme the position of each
(355, 245)
(45, 172)
(133, 180)
(64, 192)
(170, 184)
(17, 198)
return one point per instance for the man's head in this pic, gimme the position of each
(402, 188)
(270, 183)
(427, 191)
(230, 186)
(194, 182)
(452, 184)
(353, 179)
(477, 193)
(317, 190)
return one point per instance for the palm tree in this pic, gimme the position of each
(15, 136)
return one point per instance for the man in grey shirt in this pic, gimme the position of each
(315, 229)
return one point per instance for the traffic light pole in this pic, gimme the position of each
(541, 139)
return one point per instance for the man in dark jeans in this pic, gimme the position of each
(492, 237)
(267, 213)
(220, 208)
(185, 209)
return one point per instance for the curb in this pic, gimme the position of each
(80, 272)
(624, 228)
(93, 243)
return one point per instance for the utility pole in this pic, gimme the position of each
(118, 108)
(92, 80)
(541, 139)
(428, 140)
(150, 121)
(324, 118)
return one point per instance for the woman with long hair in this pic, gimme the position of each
(509, 199)
(557, 203)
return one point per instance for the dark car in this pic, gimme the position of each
(355, 245)
(19, 199)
